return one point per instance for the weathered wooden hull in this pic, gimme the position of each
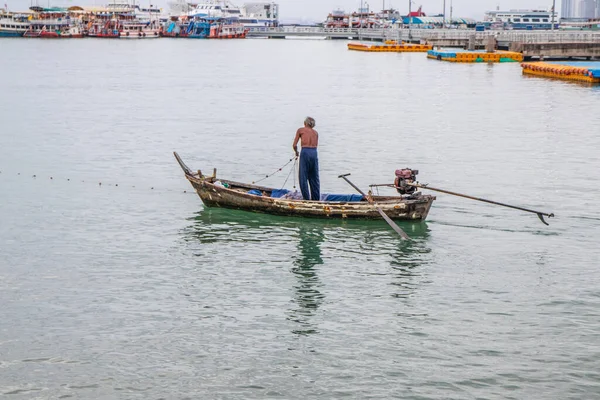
(395, 207)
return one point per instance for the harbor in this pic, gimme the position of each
(212, 19)
(536, 34)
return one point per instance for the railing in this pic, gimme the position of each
(302, 29)
(432, 34)
(545, 37)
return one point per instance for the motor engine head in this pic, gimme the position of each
(403, 177)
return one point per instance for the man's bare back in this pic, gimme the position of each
(309, 138)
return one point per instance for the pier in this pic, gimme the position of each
(533, 44)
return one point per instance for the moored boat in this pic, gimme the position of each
(249, 197)
(136, 30)
(71, 32)
(104, 28)
(53, 23)
(216, 28)
(176, 27)
(12, 25)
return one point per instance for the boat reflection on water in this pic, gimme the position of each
(308, 298)
(218, 224)
(369, 245)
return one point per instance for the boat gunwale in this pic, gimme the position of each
(377, 200)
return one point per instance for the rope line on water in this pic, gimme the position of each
(98, 184)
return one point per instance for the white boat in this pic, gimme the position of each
(72, 31)
(260, 14)
(215, 9)
(149, 14)
(138, 30)
(250, 14)
(179, 8)
(141, 13)
(522, 19)
(12, 25)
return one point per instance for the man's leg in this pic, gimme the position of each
(303, 176)
(313, 179)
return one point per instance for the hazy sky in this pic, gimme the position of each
(318, 9)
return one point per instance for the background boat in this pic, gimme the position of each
(12, 24)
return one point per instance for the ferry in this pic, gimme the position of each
(521, 19)
(140, 13)
(12, 25)
(215, 9)
(150, 14)
(261, 14)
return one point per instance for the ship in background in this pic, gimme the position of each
(365, 18)
(520, 20)
(249, 14)
(13, 25)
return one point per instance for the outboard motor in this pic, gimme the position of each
(404, 176)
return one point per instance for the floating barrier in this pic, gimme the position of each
(571, 71)
(474, 56)
(391, 46)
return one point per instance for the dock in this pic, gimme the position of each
(588, 72)
(533, 44)
(390, 46)
(475, 56)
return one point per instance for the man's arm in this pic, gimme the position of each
(295, 145)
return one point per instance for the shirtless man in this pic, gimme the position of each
(309, 163)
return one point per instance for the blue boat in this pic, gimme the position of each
(216, 28)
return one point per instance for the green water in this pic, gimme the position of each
(137, 291)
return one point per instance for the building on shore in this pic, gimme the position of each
(580, 9)
(568, 9)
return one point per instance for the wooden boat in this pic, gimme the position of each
(234, 195)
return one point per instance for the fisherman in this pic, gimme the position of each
(309, 163)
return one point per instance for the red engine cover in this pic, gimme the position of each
(404, 173)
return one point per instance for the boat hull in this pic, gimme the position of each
(49, 35)
(10, 34)
(104, 36)
(213, 195)
(154, 34)
(71, 35)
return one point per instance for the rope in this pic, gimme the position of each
(295, 173)
(270, 175)
(292, 170)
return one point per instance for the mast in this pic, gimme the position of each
(444, 20)
(553, 12)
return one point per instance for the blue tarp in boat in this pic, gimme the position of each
(276, 194)
(344, 198)
(349, 198)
